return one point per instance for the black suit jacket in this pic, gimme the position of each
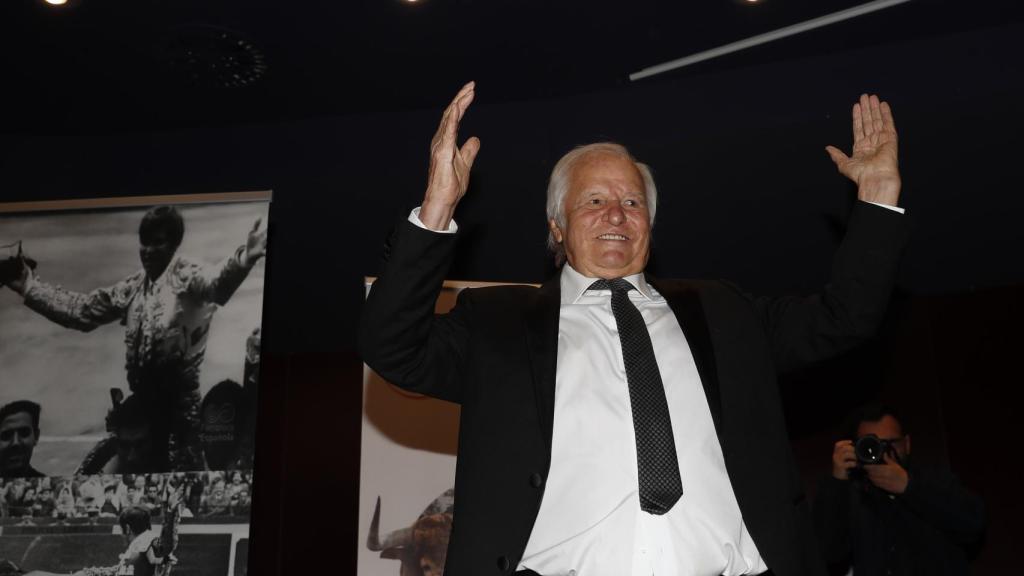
(495, 354)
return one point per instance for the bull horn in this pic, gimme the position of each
(398, 539)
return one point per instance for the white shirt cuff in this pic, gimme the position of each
(414, 217)
(893, 208)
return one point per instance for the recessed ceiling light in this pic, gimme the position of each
(56, 2)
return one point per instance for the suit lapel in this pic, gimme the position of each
(542, 344)
(685, 303)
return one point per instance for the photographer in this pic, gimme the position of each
(880, 515)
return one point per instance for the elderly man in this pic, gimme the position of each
(613, 423)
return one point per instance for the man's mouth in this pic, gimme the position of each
(616, 237)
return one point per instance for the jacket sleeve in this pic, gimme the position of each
(81, 311)
(939, 499)
(832, 520)
(216, 283)
(850, 308)
(400, 337)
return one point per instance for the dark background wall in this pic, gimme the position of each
(747, 193)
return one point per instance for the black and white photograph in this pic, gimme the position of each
(130, 349)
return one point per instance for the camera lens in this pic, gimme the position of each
(869, 449)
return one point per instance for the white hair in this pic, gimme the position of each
(558, 186)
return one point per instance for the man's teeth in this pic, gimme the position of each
(612, 237)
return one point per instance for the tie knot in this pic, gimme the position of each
(615, 285)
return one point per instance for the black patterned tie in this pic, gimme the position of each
(658, 467)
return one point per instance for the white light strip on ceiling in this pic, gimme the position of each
(811, 24)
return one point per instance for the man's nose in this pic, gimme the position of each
(614, 214)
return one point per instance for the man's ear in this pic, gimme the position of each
(556, 232)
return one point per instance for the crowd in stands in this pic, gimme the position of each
(206, 494)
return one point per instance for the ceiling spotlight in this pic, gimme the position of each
(56, 2)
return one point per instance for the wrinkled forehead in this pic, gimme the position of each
(601, 166)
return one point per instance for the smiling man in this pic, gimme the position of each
(611, 422)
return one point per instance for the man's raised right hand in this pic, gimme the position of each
(448, 178)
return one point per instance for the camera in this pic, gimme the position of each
(870, 449)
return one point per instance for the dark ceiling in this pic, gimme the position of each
(158, 64)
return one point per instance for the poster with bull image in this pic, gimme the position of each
(129, 363)
(407, 472)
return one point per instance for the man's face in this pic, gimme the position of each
(134, 448)
(607, 223)
(888, 428)
(155, 250)
(17, 441)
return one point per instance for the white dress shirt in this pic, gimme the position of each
(590, 522)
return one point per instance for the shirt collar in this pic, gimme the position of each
(574, 284)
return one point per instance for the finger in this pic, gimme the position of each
(844, 449)
(454, 114)
(256, 226)
(876, 113)
(868, 126)
(467, 87)
(443, 126)
(840, 159)
(887, 120)
(464, 102)
(469, 151)
(858, 124)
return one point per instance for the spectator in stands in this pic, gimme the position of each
(237, 484)
(65, 503)
(194, 489)
(90, 492)
(110, 508)
(24, 505)
(19, 433)
(45, 506)
(893, 517)
(151, 501)
(241, 502)
(218, 503)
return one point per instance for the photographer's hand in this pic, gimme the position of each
(844, 459)
(889, 476)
